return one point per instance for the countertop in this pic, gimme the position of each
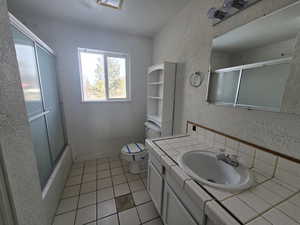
(274, 199)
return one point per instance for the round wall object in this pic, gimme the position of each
(196, 79)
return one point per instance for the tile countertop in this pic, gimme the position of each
(274, 199)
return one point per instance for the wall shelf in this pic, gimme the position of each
(160, 96)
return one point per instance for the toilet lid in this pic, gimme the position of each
(133, 148)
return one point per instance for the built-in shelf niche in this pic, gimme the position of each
(160, 96)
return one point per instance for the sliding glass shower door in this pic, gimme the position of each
(38, 77)
(47, 69)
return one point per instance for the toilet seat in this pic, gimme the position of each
(133, 149)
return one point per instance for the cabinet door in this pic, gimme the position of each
(174, 213)
(155, 186)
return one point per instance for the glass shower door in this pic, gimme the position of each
(54, 120)
(25, 50)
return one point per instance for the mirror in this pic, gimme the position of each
(257, 66)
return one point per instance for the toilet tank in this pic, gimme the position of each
(152, 130)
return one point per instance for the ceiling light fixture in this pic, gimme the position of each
(116, 4)
(238, 4)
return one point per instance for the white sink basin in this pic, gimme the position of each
(204, 167)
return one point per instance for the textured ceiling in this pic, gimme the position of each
(144, 17)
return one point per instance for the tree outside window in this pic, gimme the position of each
(103, 75)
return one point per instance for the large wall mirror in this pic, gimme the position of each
(257, 65)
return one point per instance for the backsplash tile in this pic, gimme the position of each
(265, 162)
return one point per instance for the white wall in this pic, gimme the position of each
(187, 39)
(97, 128)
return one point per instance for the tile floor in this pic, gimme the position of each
(102, 192)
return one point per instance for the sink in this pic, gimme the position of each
(204, 168)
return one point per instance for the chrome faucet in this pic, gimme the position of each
(227, 158)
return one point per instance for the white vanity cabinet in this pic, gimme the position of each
(164, 196)
(155, 186)
(174, 213)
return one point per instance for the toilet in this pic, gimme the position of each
(136, 154)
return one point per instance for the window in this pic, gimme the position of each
(104, 76)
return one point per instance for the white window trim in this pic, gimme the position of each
(107, 54)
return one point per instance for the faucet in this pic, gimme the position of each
(227, 158)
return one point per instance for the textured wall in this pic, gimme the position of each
(96, 129)
(264, 53)
(16, 147)
(291, 99)
(187, 39)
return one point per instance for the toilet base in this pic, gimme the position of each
(137, 167)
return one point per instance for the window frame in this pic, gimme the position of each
(106, 54)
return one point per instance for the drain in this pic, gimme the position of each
(212, 181)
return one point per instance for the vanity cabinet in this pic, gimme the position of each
(165, 197)
(155, 186)
(174, 212)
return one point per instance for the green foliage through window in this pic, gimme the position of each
(103, 76)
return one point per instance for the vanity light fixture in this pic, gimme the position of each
(214, 13)
(116, 4)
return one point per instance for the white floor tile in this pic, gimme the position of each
(67, 204)
(103, 174)
(88, 187)
(86, 215)
(103, 166)
(115, 164)
(132, 177)
(105, 194)
(73, 181)
(121, 189)
(102, 161)
(119, 179)
(71, 191)
(136, 185)
(116, 171)
(110, 220)
(141, 197)
(104, 183)
(106, 208)
(89, 170)
(76, 172)
(88, 177)
(65, 219)
(147, 212)
(129, 217)
(87, 199)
